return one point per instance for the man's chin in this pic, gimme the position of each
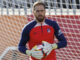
(40, 20)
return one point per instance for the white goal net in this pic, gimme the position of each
(14, 14)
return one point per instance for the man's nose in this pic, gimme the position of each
(40, 12)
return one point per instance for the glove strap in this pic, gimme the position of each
(28, 52)
(54, 46)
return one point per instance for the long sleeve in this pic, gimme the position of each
(62, 42)
(25, 36)
(24, 39)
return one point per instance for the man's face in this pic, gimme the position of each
(39, 13)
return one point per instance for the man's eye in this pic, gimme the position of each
(42, 10)
(39, 10)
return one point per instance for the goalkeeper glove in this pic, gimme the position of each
(35, 53)
(47, 47)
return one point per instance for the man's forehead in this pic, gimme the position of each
(41, 7)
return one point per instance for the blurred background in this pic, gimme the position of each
(15, 14)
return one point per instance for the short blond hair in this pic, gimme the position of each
(38, 3)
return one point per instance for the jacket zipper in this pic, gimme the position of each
(41, 28)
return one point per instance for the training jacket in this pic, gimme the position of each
(34, 33)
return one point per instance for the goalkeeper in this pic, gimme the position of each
(41, 31)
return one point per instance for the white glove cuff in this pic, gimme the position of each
(28, 52)
(54, 46)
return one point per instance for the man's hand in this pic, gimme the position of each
(35, 53)
(47, 47)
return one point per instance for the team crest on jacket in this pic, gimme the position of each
(48, 30)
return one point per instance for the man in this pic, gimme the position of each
(41, 31)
